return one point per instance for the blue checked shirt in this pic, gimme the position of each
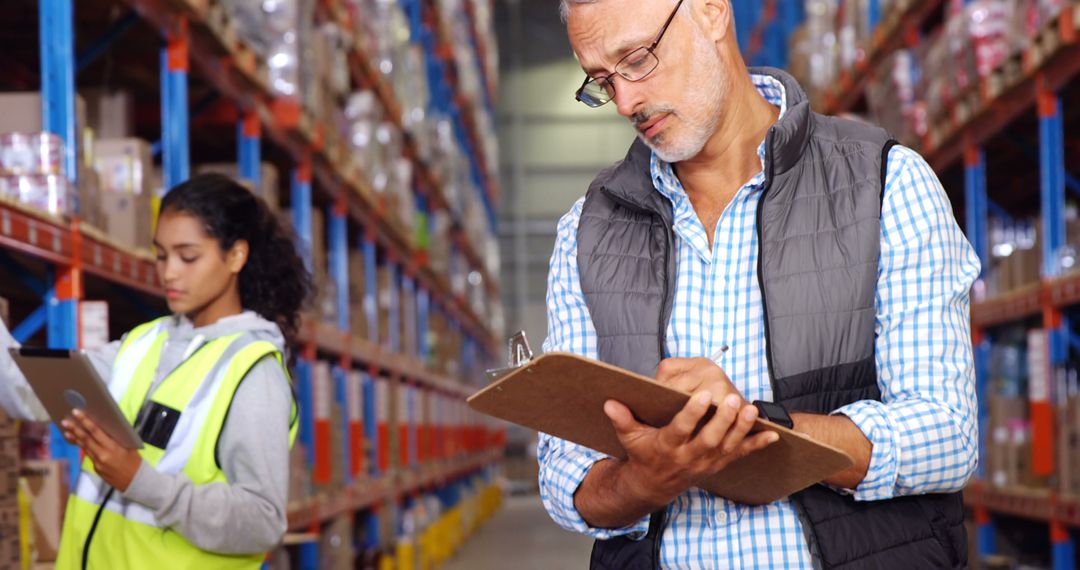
(923, 431)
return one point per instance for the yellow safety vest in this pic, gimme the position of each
(102, 530)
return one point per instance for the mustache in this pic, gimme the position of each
(647, 113)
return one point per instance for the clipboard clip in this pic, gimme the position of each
(519, 355)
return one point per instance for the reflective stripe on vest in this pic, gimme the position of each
(201, 389)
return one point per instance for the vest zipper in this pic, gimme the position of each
(769, 168)
(93, 528)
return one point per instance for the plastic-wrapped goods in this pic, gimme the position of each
(273, 29)
(891, 96)
(46, 192)
(30, 154)
(990, 33)
(403, 181)
(412, 89)
(814, 52)
(362, 116)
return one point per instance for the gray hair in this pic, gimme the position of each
(564, 7)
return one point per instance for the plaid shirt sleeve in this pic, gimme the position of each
(924, 430)
(563, 465)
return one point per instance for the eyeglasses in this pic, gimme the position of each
(634, 66)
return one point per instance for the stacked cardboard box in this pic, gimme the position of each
(336, 550)
(125, 168)
(299, 473)
(45, 484)
(357, 294)
(269, 182)
(9, 493)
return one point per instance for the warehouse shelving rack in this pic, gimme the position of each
(195, 35)
(1027, 84)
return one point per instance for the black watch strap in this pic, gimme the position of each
(775, 413)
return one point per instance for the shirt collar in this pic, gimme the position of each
(663, 175)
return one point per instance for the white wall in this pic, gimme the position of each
(552, 147)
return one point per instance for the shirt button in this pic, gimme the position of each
(721, 518)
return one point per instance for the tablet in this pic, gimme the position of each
(66, 380)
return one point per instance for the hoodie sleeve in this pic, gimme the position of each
(247, 515)
(16, 396)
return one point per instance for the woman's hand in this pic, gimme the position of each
(114, 463)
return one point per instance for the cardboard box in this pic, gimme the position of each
(46, 487)
(129, 218)
(93, 324)
(125, 166)
(10, 554)
(22, 113)
(110, 114)
(269, 184)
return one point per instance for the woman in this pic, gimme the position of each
(206, 388)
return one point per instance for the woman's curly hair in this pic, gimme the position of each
(274, 282)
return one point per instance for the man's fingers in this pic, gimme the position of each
(672, 367)
(621, 417)
(737, 432)
(682, 426)
(713, 433)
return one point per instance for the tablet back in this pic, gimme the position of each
(65, 380)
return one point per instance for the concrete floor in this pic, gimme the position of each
(521, 536)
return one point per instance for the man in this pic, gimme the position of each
(822, 255)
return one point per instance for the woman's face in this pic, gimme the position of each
(198, 276)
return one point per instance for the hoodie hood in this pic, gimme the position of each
(185, 338)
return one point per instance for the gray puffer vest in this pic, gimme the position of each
(818, 224)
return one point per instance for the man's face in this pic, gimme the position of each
(676, 108)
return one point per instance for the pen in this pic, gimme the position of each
(719, 353)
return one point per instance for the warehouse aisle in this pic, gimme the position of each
(521, 536)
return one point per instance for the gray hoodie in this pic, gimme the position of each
(247, 515)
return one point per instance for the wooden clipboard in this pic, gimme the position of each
(563, 395)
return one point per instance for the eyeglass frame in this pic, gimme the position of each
(651, 49)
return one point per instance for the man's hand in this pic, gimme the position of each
(114, 463)
(696, 374)
(669, 460)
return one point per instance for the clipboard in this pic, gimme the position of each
(563, 395)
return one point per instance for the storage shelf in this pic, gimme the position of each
(1028, 301)
(232, 70)
(55, 240)
(1013, 89)
(1012, 306)
(368, 492)
(360, 63)
(329, 340)
(443, 44)
(905, 20)
(1034, 504)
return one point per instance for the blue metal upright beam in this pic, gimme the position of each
(1052, 196)
(248, 149)
(176, 150)
(976, 204)
(341, 394)
(339, 263)
(301, 210)
(57, 42)
(371, 291)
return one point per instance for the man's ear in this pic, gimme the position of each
(237, 257)
(716, 18)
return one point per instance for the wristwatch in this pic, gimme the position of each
(775, 413)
